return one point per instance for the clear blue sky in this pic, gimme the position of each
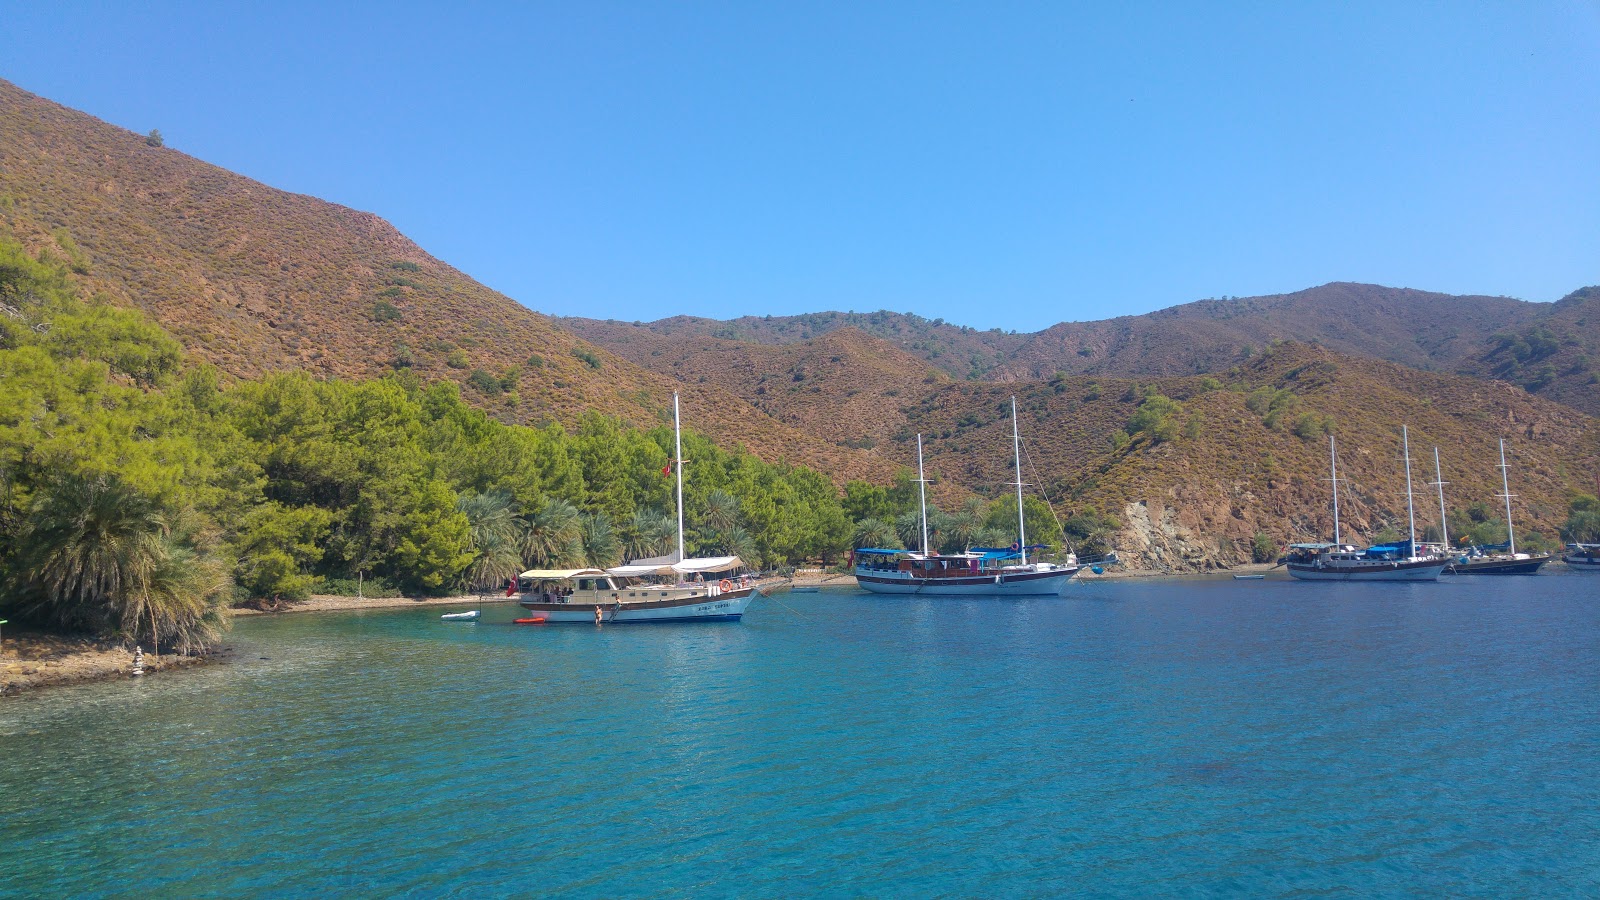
(995, 164)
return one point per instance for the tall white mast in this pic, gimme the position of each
(1439, 482)
(1333, 465)
(1016, 452)
(677, 449)
(922, 487)
(1411, 511)
(1505, 491)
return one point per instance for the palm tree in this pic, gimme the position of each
(880, 534)
(491, 515)
(962, 530)
(498, 537)
(736, 540)
(103, 556)
(908, 528)
(184, 602)
(554, 534)
(649, 533)
(599, 537)
(90, 541)
(722, 511)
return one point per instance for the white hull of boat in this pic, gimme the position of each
(1042, 583)
(460, 616)
(698, 607)
(1425, 570)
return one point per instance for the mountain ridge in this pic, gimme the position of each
(1476, 335)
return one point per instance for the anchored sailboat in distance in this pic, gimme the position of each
(1341, 562)
(664, 589)
(980, 571)
(1498, 559)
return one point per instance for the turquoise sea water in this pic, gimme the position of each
(1204, 737)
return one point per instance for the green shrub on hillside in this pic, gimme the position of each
(1263, 549)
(1273, 405)
(1310, 426)
(1158, 417)
(485, 382)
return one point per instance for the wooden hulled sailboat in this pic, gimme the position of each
(1501, 559)
(664, 589)
(980, 571)
(1341, 562)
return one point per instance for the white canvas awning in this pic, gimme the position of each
(639, 568)
(558, 574)
(708, 564)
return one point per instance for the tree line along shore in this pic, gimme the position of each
(143, 496)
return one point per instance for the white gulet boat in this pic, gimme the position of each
(1342, 562)
(664, 589)
(980, 571)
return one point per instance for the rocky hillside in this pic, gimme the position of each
(1247, 450)
(255, 279)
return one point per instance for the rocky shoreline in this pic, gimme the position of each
(33, 659)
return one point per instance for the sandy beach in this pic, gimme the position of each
(331, 603)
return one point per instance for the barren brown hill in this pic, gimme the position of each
(255, 279)
(958, 350)
(844, 386)
(1195, 501)
(1550, 349)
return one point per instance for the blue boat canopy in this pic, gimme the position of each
(878, 551)
(1010, 552)
(1396, 550)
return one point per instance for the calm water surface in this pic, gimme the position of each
(1205, 737)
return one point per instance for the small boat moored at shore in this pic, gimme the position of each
(1497, 559)
(980, 571)
(661, 589)
(1343, 562)
(598, 596)
(1583, 557)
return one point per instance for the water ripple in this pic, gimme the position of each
(1176, 738)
